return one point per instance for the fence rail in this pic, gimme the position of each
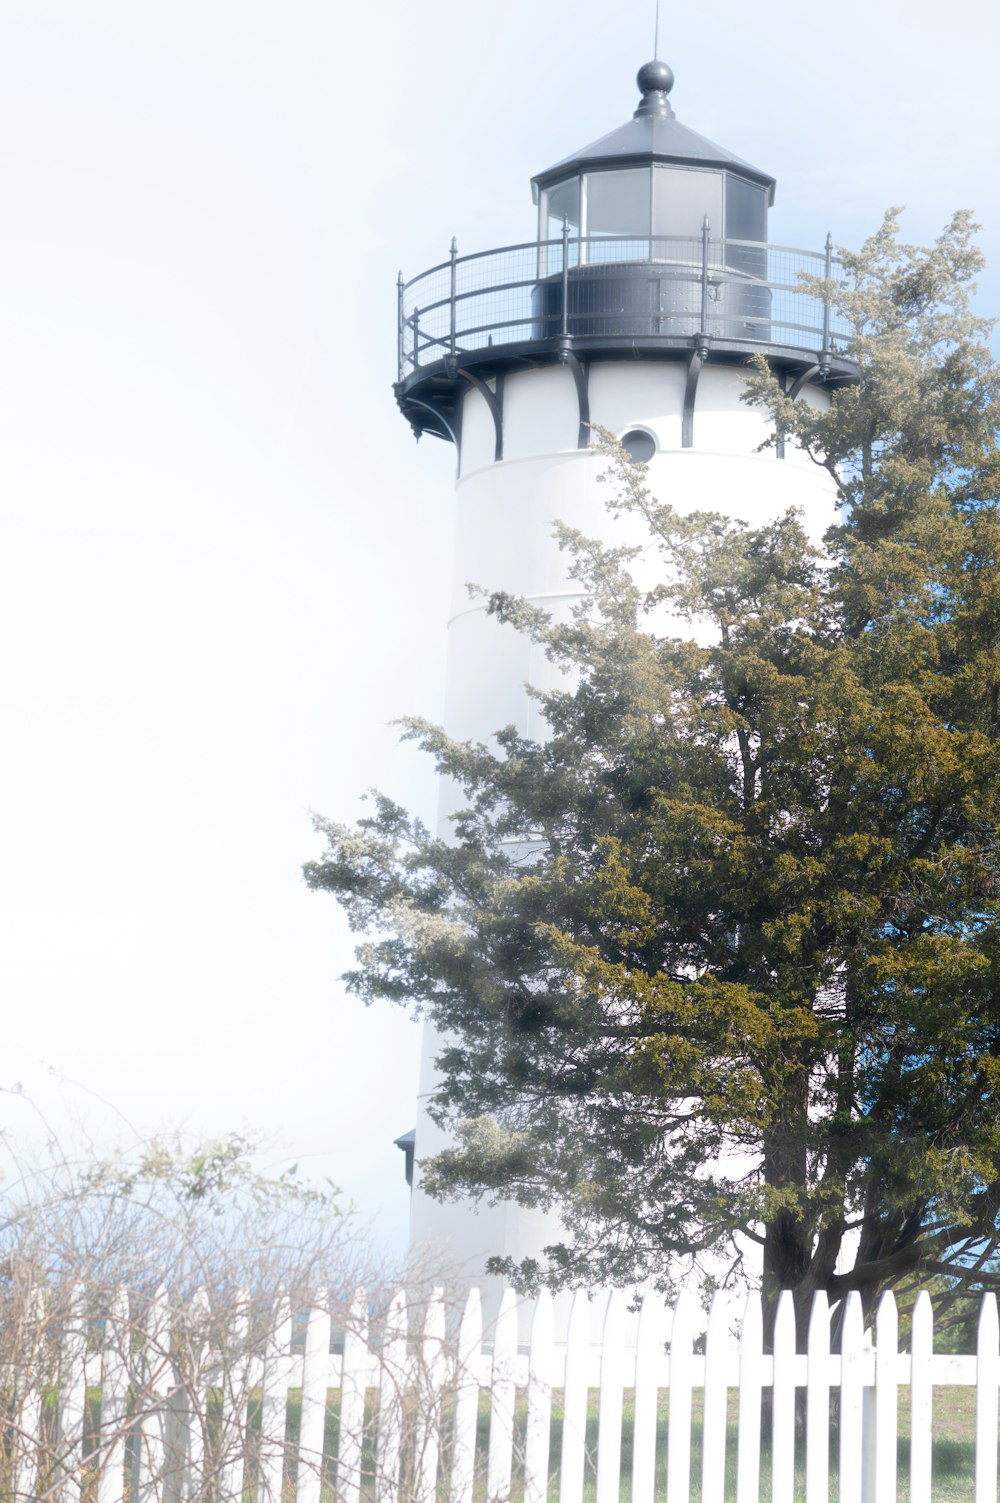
(619, 286)
(125, 1411)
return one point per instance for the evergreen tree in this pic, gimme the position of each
(718, 962)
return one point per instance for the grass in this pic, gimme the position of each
(953, 1450)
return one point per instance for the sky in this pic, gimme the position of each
(224, 563)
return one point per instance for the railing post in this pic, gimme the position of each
(399, 325)
(827, 274)
(704, 276)
(454, 277)
(565, 279)
(416, 325)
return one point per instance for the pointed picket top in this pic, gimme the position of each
(987, 1378)
(574, 1432)
(470, 1340)
(25, 1420)
(609, 1428)
(542, 1334)
(155, 1362)
(114, 1399)
(921, 1398)
(315, 1375)
(192, 1407)
(886, 1397)
(818, 1401)
(195, 1318)
(73, 1386)
(235, 1395)
(156, 1346)
(434, 1328)
(392, 1382)
(500, 1462)
(433, 1367)
(649, 1354)
(679, 1416)
(353, 1381)
(783, 1410)
(274, 1403)
(852, 1392)
(539, 1423)
(713, 1461)
(470, 1334)
(751, 1383)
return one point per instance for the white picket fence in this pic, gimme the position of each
(115, 1423)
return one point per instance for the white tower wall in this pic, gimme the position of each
(505, 514)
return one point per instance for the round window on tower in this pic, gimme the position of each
(639, 445)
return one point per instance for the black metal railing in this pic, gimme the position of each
(619, 286)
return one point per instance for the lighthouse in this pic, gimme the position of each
(648, 286)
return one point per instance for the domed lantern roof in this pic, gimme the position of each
(654, 134)
(654, 175)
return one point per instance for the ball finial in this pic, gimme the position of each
(655, 79)
(655, 76)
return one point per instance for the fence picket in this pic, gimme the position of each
(649, 1351)
(679, 1414)
(713, 1454)
(886, 1398)
(233, 1380)
(501, 1453)
(352, 1401)
(191, 1400)
(153, 1379)
(315, 1378)
(818, 1401)
(114, 1400)
(433, 1366)
(392, 1382)
(987, 1375)
(160, 1383)
(274, 1404)
(751, 1383)
(539, 1426)
(609, 1425)
(26, 1438)
(852, 1397)
(783, 1402)
(73, 1406)
(921, 1396)
(574, 1433)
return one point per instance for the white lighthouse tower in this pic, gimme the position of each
(649, 286)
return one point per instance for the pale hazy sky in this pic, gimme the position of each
(224, 562)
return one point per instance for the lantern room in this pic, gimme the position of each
(652, 179)
(651, 243)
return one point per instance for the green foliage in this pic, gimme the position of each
(718, 961)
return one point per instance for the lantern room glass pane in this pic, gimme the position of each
(682, 197)
(618, 206)
(560, 202)
(746, 219)
(746, 210)
(563, 202)
(618, 202)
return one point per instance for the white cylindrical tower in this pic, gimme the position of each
(650, 286)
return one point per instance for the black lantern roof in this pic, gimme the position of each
(653, 134)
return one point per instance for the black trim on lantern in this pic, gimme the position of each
(580, 370)
(430, 399)
(696, 360)
(494, 401)
(791, 392)
(802, 379)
